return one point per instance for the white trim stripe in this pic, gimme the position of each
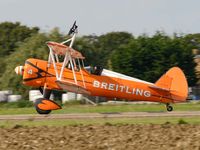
(109, 73)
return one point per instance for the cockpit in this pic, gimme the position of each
(96, 70)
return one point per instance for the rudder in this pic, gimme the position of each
(176, 82)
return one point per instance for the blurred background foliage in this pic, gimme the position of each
(145, 57)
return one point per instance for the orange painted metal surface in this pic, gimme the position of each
(171, 87)
(61, 49)
(48, 105)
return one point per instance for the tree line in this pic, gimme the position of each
(144, 57)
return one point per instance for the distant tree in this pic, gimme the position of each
(11, 36)
(149, 57)
(33, 47)
(142, 57)
(87, 45)
(99, 49)
(108, 43)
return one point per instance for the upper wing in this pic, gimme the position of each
(61, 49)
(72, 87)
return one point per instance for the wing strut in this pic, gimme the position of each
(71, 56)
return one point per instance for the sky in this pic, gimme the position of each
(103, 16)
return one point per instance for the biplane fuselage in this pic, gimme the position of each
(37, 74)
(65, 70)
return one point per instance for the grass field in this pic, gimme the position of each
(102, 121)
(111, 108)
(77, 108)
(101, 133)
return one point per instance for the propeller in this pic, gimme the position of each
(19, 70)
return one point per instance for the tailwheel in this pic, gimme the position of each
(45, 106)
(169, 107)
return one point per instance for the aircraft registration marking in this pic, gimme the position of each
(30, 71)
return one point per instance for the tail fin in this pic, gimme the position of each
(175, 81)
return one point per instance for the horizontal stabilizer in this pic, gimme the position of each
(159, 88)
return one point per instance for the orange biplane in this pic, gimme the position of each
(65, 70)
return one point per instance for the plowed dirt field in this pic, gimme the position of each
(102, 137)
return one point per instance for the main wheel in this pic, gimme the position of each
(40, 111)
(169, 107)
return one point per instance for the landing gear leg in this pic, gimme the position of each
(46, 93)
(169, 107)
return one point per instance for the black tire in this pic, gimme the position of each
(169, 108)
(40, 111)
